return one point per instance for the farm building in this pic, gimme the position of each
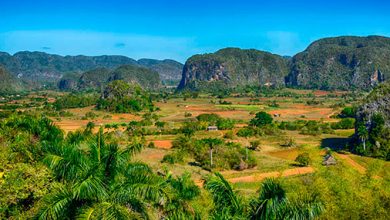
(212, 128)
(329, 160)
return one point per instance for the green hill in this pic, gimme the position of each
(342, 63)
(8, 83)
(97, 79)
(169, 70)
(233, 67)
(146, 78)
(94, 79)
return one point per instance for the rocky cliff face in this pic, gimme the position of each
(233, 67)
(372, 128)
(342, 63)
(377, 102)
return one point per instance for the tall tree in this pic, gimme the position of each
(98, 181)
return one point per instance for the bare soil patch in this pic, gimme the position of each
(163, 144)
(261, 176)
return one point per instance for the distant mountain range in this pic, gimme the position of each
(331, 63)
(342, 63)
(38, 69)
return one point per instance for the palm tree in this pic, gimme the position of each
(273, 203)
(179, 207)
(363, 135)
(212, 143)
(228, 205)
(98, 181)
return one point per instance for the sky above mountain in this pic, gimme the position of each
(179, 29)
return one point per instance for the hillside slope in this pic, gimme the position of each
(98, 78)
(233, 67)
(169, 70)
(342, 63)
(8, 83)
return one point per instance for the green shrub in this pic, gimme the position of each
(229, 135)
(303, 159)
(261, 119)
(187, 114)
(348, 112)
(344, 123)
(254, 145)
(174, 157)
(246, 132)
(75, 101)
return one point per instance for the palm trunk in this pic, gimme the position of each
(364, 144)
(211, 157)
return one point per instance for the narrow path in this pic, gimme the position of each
(260, 176)
(354, 164)
(361, 169)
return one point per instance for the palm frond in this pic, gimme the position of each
(56, 204)
(107, 210)
(305, 207)
(90, 188)
(223, 194)
(271, 203)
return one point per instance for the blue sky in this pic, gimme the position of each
(179, 29)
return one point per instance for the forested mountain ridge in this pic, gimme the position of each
(233, 67)
(344, 63)
(39, 69)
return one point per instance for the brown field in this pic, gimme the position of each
(163, 144)
(295, 111)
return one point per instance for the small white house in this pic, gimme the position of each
(212, 128)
